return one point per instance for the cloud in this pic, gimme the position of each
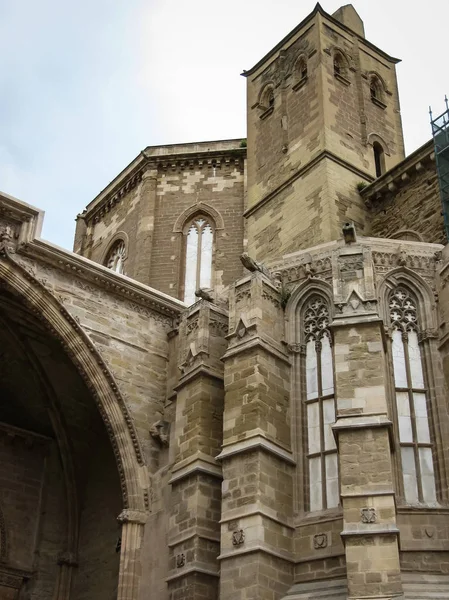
(85, 86)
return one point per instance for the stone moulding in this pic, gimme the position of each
(132, 175)
(163, 307)
(92, 369)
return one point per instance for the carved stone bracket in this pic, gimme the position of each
(160, 431)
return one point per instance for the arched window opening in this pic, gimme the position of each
(269, 98)
(321, 450)
(339, 65)
(302, 68)
(379, 159)
(198, 257)
(116, 257)
(411, 400)
(374, 90)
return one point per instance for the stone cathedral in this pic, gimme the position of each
(236, 386)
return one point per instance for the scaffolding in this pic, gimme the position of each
(440, 133)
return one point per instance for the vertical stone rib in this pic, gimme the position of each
(145, 227)
(130, 568)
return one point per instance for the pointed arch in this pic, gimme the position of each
(404, 300)
(200, 207)
(403, 276)
(266, 97)
(119, 236)
(297, 300)
(94, 372)
(309, 318)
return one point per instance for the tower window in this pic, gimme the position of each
(198, 257)
(321, 450)
(116, 257)
(339, 65)
(379, 159)
(411, 400)
(302, 68)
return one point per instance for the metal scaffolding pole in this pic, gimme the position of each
(440, 133)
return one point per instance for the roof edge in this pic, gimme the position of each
(318, 9)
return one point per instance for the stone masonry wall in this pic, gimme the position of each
(413, 206)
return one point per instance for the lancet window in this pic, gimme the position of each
(198, 257)
(321, 450)
(411, 400)
(116, 257)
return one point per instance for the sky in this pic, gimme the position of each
(86, 85)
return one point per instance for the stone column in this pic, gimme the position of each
(67, 562)
(364, 431)
(145, 226)
(194, 535)
(133, 522)
(257, 494)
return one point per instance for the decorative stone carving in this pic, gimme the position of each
(253, 265)
(204, 295)
(238, 537)
(160, 431)
(320, 541)
(368, 515)
(7, 236)
(180, 560)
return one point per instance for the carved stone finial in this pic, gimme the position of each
(349, 234)
(253, 265)
(160, 431)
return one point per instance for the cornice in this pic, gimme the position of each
(318, 9)
(399, 176)
(102, 277)
(132, 175)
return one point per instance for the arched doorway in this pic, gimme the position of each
(62, 482)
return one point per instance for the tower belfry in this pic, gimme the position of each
(323, 116)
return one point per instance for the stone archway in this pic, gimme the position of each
(85, 359)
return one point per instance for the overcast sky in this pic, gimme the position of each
(86, 85)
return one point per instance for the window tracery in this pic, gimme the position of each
(411, 400)
(198, 257)
(321, 450)
(116, 257)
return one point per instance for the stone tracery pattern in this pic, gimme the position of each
(411, 400)
(320, 406)
(116, 257)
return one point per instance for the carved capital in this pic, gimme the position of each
(132, 516)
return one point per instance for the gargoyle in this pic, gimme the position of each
(204, 294)
(253, 266)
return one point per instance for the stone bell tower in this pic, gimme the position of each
(323, 117)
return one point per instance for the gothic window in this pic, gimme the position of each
(198, 257)
(379, 159)
(301, 67)
(411, 400)
(116, 257)
(321, 451)
(339, 65)
(374, 90)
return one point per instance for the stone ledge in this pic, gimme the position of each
(257, 548)
(180, 539)
(190, 570)
(255, 442)
(251, 510)
(197, 464)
